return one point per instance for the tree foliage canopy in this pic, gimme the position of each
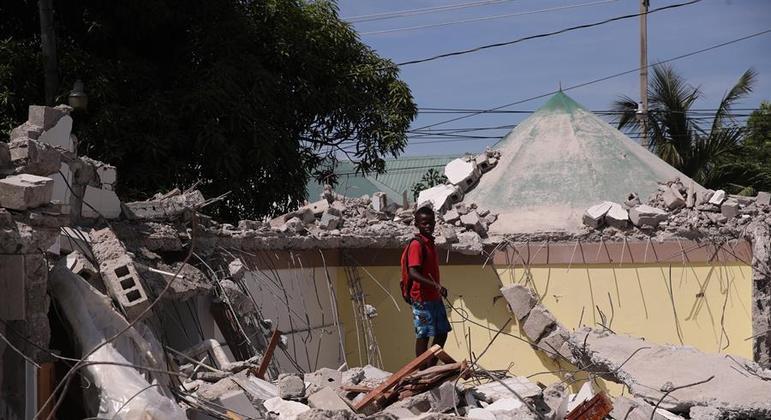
(253, 97)
(716, 154)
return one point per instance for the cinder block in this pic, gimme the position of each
(32, 157)
(537, 323)
(22, 192)
(119, 273)
(105, 202)
(521, 300)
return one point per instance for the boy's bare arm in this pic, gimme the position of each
(415, 274)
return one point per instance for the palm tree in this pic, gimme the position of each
(681, 138)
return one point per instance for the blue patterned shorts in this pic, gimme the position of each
(430, 319)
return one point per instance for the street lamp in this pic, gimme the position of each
(78, 98)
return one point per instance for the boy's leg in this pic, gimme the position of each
(439, 339)
(421, 345)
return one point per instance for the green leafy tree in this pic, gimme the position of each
(431, 178)
(706, 153)
(253, 97)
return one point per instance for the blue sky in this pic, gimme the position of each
(503, 75)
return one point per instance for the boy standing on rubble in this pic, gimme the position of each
(421, 286)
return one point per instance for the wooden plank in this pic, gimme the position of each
(46, 382)
(594, 409)
(396, 377)
(444, 357)
(265, 362)
(356, 388)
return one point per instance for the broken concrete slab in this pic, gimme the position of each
(291, 386)
(521, 300)
(25, 191)
(327, 399)
(763, 199)
(444, 397)
(439, 197)
(236, 401)
(538, 323)
(98, 202)
(717, 197)
(729, 208)
(463, 173)
(59, 135)
(635, 409)
(472, 221)
(166, 206)
(451, 216)
(617, 217)
(46, 117)
(26, 130)
(325, 377)
(330, 221)
(449, 234)
(555, 396)
(553, 343)
(673, 199)
(645, 215)
(594, 216)
(647, 369)
(32, 157)
(494, 391)
(285, 409)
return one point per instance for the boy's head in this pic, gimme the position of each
(425, 221)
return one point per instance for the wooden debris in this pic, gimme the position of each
(594, 409)
(265, 362)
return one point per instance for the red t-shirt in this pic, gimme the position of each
(429, 267)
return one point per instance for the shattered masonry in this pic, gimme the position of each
(121, 276)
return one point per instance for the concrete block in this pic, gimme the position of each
(26, 130)
(119, 274)
(486, 163)
(59, 134)
(703, 197)
(594, 216)
(494, 391)
(12, 284)
(379, 201)
(79, 265)
(553, 343)
(440, 197)
(327, 399)
(473, 222)
(444, 397)
(463, 173)
(22, 192)
(451, 216)
(285, 409)
(555, 396)
(717, 198)
(32, 157)
(617, 217)
(291, 386)
(521, 300)
(763, 199)
(729, 208)
(449, 234)
(236, 401)
(45, 116)
(108, 174)
(632, 200)
(330, 221)
(306, 215)
(62, 193)
(325, 377)
(673, 199)
(645, 215)
(634, 409)
(538, 323)
(105, 202)
(318, 207)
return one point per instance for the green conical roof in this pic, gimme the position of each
(560, 161)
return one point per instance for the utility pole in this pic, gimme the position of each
(642, 111)
(48, 45)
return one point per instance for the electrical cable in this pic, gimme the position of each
(598, 80)
(545, 34)
(422, 11)
(485, 18)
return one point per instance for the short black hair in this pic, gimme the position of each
(425, 210)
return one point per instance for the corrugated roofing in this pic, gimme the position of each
(560, 161)
(401, 174)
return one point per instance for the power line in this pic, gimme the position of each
(598, 80)
(485, 18)
(544, 35)
(414, 12)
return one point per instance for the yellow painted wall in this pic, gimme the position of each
(641, 305)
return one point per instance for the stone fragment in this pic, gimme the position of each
(763, 199)
(698, 412)
(444, 397)
(494, 391)
(108, 175)
(451, 216)
(555, 396)
(553, 343)
(22, 192)
(26, 130)
(463, 173)
(491, 218)
(236, 401)
(538, 323)
(78, 264)
(690, 199)
(295, 225)
(717, 198)
(119, 274)
(286, 410)
(634, 409)
(448, 232)
(595, 215)
(471, 221)
(673, 199)
(327, 399)
(291, 386)
(45, 117)
(417, 404)
(632, 200)
(462, 208)
(729, 208)
(33, 157)
(59, 135)
(237, 269)
(617, 217)
(521, 300)
(480, 414)
(379, 201)
(439, 197)
(325, 377)
(97, 201)
(644, 215)
(505, 404)
(329, 221)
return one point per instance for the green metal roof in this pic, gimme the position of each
(401, 174)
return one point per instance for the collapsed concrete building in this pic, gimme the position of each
(565, 224)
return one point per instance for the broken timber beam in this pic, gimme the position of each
(596, 408)
(407, 369)
(265, 362)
